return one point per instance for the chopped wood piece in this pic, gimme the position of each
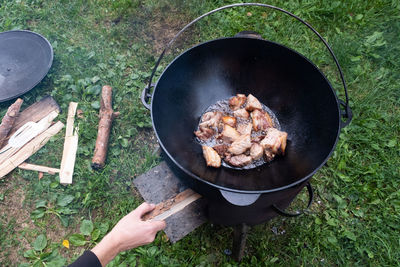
(171, 206)
(40, 175)
(25, 134)
(107, 116)
(39, 168)
(29, 149)
(70, 147)
(8, 120)
(35, 112)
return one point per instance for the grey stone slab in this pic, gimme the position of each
(160, 184)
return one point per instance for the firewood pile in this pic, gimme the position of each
(23, 133)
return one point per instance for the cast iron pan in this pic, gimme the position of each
(25, 59)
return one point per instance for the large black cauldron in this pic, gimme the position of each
(288, 83)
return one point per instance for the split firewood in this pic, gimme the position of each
(29, 149)
(107, 115)
(70, 147)
(25, 134)
(8, 120)
(171, 206)
(38, 168)
(35, 113)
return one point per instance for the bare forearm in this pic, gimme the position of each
(106, 250)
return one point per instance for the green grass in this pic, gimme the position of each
(354, 220)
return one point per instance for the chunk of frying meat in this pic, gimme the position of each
(231, 121)
(210, 119)
(239, 161)
(268, 155)
(237, 101)
(240, 145)
(221, 149)
(275, 141)
(204, 133)
(229, 134)
(261, 120)
(241, 113)
(257, 139)
(252, 103)
(256, 151)
(211, 156)
(244, 128)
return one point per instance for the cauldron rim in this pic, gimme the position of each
(192, 175)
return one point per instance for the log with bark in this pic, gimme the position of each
(8, 120)
(107, 115)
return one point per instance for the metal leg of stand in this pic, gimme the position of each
(239, 240)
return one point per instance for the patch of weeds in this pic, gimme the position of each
(58, 208)
(43, 254)
(89, 234)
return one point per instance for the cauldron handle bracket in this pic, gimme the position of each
(287, 214)
(145, 96)
(346, 112)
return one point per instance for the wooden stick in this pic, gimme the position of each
(8, 120)
(38, 168)
(29, 149)
(70, 147)
(107, 116)
(171, 206)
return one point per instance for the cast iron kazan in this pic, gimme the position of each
(288, 83)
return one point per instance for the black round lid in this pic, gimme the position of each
(25, 59)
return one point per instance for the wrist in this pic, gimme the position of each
(107, 249)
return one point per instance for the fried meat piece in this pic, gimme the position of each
(211, 156)
(261, 120)
(252, 103)
(221, 149)
(256, 151)
(257, 139)
(229, 134)
(268, 155)
(240, 145)
(244, 128)
(241, 113)
(231, 121)
(274, 142)
(237, 101)
(239, 161)
(204, 133)
(210, 119)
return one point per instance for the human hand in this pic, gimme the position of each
(130, 232)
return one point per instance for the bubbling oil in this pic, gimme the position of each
(223, 107)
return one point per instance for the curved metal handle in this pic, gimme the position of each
(346, 113)
(146, 96)
(287, 214)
